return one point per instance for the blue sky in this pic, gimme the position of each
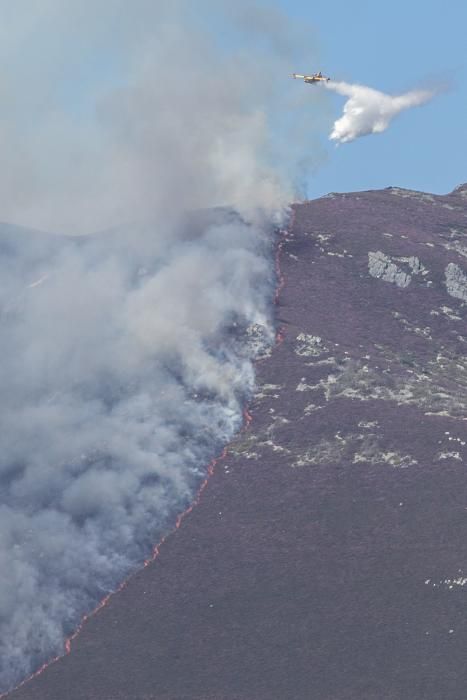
(393, 47)
(64, 61)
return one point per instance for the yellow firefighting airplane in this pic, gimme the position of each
(312, 79)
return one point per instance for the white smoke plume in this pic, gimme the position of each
(369, 111)
(126, 355)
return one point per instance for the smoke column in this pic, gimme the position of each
(369, 111)
(126, 354)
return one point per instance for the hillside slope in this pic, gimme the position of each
(327, 556)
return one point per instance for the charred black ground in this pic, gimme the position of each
(327, 558)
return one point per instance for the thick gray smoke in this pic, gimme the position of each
(120, 380)
(369, 111)
(126, 355)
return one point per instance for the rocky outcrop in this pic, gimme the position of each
(384, 267)
(381, 267)
(456, 281)
(461, 190)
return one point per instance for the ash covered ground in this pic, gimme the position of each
(326, 558)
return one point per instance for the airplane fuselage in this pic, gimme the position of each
(311, 79)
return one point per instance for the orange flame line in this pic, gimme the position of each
(284, 235)
(155, 553)
(247, 417)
